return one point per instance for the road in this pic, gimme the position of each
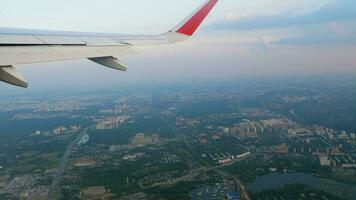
(242, 189)
(196, 172)
(54, 189)
(292, 112)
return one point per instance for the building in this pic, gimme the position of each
(276, 123)
(349, 165)
(37, 133)
(84, 162)
(132, 157)
(111, 123)
(233, 196)
(141, 139)
(75, 128)
(353, 136)
(84, 139)
(324, 161)
(155, 138)
(224, 190)
(203, 138)
(120, 147)
(343, 136)
(225, 160)
(282, 149)
(245, 130)
(138, 196)
(335, 151)
(93, 192)
(298, 131)
(59, 130)
(215, 136)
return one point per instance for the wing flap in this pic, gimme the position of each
(100, 41)
(10, 75)
(8, 39)
(60, 40)
(110, 62)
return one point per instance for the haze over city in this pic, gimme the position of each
(241, 100)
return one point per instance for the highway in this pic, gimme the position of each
(55, 187)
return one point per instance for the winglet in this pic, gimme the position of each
(192, 23)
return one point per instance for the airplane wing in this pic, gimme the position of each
(29, 46)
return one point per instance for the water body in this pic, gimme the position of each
(273, 181)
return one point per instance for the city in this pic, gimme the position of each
(183, 142)
(178, 100)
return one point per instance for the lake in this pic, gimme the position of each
(273, 181)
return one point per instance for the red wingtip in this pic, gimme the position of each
(194, 22)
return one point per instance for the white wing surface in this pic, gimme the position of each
(18, 46)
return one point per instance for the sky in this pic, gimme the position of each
(241, 38)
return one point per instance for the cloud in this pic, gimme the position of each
(334, 32)
(335, 10)
(331, 23)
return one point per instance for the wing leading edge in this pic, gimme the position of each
(26, 46)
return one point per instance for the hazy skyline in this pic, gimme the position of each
(260, 38)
